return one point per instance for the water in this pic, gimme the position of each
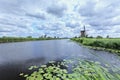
(17, 57)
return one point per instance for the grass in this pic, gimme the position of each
(80, 70)
(21, 39)
(109, 44)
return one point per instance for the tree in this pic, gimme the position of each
(90, 37)
(29, 37)
(75, 37)
(99, 36)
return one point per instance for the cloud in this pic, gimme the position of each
(6, 28)
(95, 10)
(63, 18)
(72, 24)
(50, 26)
(37, 15)
(57, 9)
(87, 9)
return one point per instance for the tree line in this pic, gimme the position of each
(5, 39)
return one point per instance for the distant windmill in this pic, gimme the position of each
(83, 32)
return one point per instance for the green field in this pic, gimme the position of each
(110, 44)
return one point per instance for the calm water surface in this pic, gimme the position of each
(17, 57)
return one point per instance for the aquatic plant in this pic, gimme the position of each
(80, 70)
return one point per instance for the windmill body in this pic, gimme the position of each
(83, 32)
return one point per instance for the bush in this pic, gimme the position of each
(98, 44)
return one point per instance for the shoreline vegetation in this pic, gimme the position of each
(22, 39)
(79, 70)
(103, 44)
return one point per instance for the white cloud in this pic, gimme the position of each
(63, 18)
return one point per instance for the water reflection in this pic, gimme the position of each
(17, 57)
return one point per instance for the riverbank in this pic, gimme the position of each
(22, 39)
(106, 44)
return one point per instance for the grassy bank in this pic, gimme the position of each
(21, 39)
(109, 44)
(80, 70)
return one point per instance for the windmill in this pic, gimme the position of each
(83, 33)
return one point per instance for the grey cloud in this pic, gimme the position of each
(102, 28)
(7, 23)
(11, 22)
(96, 22)
(72, 25)
(6, 30)
(50, 26)
(56, 26)
(76, 31)
(117, 31)
(88, 9)
(100, 18)
(37, 15)
(41, 27)
(11, 7)
(57, 10)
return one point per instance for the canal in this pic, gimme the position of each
(17, 57)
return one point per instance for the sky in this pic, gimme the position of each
(61, 18)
